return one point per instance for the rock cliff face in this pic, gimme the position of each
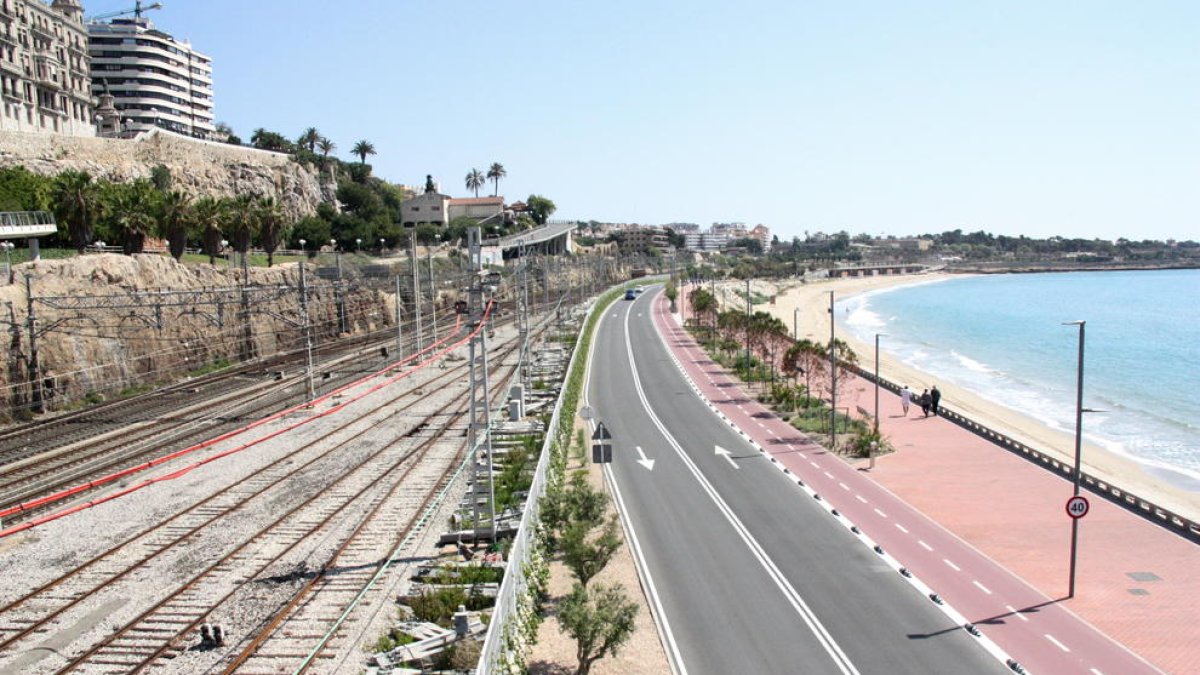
(198, 167)
(104, 351)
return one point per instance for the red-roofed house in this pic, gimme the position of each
(475, 207)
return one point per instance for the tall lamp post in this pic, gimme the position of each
(748, 303)
(1078, 450)
(877, 383)
(832, 380)
(796, 324)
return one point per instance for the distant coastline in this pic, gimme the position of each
(1060, 266)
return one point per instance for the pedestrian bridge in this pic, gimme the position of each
(551, 239)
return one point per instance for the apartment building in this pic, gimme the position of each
(44, 68)
(154, 79)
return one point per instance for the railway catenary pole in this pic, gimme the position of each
(432, 292)
(416, 290)
(35, 377)
(308, 361)
(479, 432)
(399, 324)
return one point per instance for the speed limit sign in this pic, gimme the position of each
(1077, 506)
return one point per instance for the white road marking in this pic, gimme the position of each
(1097, 672)
(861, 498)
(1016, 613)
(981, 587)
(901, 528)
(1057, 643)
(815, 465)
(829, 474)
(845, 487)
(925, 546)
(881, 513)
(954, 567)
(835, 652)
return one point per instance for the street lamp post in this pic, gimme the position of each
(832, 380)
(225, 253)
(1078, 451)
(796, 324)
(748, 372)
(877, 383)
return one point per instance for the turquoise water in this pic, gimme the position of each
(1001, 337)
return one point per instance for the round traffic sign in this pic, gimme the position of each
(1077, 506)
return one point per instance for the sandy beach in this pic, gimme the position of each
(812, 300)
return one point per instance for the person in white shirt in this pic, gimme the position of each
(905, 399)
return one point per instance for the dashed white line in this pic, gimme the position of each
(829, 474)
(925, 546)
(954, 567)
(815, 465)
(881, 513)
(1097, 672)
(981, 587)
(861, 498)
(1057, 643)
(845, 487)
(901, 528)
(1016, 613)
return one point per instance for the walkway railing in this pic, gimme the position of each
(1145, 508)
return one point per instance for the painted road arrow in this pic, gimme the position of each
(726, 454)
(648, 463)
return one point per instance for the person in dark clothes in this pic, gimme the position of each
(934, 397)
(925, 401)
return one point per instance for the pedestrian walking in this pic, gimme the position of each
(935, 397)
(905, 398)
(925, 401)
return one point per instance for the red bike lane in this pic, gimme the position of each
(1041, 632)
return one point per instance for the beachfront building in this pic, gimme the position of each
(44, 68)
(155, 80)
(763, 234)
(643, 239)
(705, 242)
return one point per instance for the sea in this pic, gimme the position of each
(1003, 337)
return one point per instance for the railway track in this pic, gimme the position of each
(305, 531)
(137, 442)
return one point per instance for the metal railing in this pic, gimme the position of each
(516, 583)
(1141, 506)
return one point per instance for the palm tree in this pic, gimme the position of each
(174, 210)
(362, 149)
(475, 180)
(208, 216)
(77, 203)
(243, 216)
(495, 173)
(135, 215)
(326, 146)
(270, 226)
(309, 139)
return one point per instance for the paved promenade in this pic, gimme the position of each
(988, 531)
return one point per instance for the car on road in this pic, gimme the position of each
(630, 294)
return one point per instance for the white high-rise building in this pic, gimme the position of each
(44, 68)
(154, 79)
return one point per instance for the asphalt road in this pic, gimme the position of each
(748, 573)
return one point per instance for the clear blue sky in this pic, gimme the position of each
(1076, 118)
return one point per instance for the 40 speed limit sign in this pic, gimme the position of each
(1077, 507)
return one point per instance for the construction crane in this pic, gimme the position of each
(137, 10)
